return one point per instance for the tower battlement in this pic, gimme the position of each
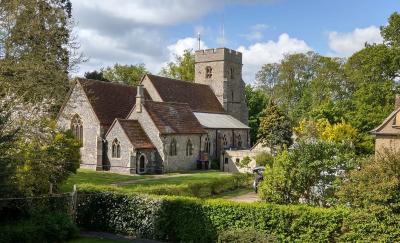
(218, 54)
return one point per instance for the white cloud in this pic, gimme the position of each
(256, 32)
(181, 45)
(345, 44)
(261, 53)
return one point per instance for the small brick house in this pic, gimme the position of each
(162, 125)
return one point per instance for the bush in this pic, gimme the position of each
(55, 227)
(263, 159)
(183, 219)
(215, 164)
(244, 236)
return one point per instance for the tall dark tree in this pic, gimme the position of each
(37, 48)
(256, 100)
(96, 75)
(275, 129)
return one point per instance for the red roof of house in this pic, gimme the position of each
(173, 118)
(200, 97)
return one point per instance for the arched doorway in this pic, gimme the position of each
(142, 161)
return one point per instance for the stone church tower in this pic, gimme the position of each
(221, 69)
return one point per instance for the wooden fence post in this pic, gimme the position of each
(74, 196)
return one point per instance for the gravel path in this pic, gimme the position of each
(248, 197)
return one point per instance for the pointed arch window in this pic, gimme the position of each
(225, 141)
(77, 127)
(189, 148)
(239, 141)
(207, 144)
(209, 72)
(172, 148)
(116, 149)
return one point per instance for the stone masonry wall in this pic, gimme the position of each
(122, 164)
(92, 142)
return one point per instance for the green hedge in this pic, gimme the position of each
(54, 227)
(182, 219)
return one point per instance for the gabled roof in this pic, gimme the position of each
(136, 134)
(109, 100)
(221, 121)
(382, 125)
(200, 97)
(173, 118)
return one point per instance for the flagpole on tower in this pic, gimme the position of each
(198, 39)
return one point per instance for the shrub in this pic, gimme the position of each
(244, 236)
(54, 227)
(263, 159)
(376, 182)
(183, 219)
(215, 164)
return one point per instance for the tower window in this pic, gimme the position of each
(232, 73)
(208, 72)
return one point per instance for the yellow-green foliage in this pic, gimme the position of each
(322, 129)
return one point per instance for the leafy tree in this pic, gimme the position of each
(256, 103)
(127, 74)
(275, 129)
(391, 32)
(375, 182)
(182, 68)
(306, 173)
(33, 151)
(96, 75)
(323, 129)
(37, 49)
(47, 162)
(7, 162)
(372, 72)
(263, 159)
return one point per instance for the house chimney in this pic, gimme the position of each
(397, 102)
(139, 98)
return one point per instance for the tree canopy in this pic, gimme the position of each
(182, 68)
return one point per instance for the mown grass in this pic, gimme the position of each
(85, 176)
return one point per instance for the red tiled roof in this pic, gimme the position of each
(109, 100)
(173, 118)
(136, 134)
(200, 97)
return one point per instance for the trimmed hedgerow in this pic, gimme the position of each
(54, 227)
(184, 219)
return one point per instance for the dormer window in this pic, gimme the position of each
(208, 72)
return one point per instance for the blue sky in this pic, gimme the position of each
(153, 31)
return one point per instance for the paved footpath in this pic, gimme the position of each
(248, 197)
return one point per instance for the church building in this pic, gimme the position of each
(162, 125)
